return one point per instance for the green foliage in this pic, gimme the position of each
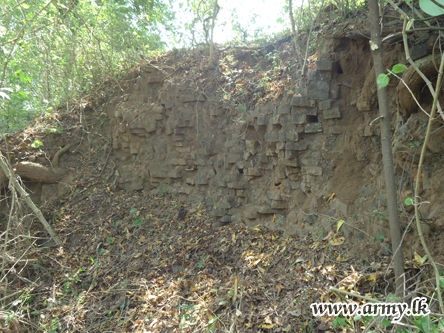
(36, 144)
(429, 7)
(58, 51)
(137, 221)
(202, 12)
(202, 260)
(408, 201)
(383, 79)
(188, 315)
(380, 238)
(340, 321)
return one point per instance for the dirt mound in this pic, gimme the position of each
(221, 199)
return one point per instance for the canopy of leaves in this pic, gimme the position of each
(55, 51)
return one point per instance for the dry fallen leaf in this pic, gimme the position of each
(337, 241)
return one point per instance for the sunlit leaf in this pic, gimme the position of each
(340, 223)
(399, 68)
(383, 80)
(428, 7)
(408, 201)
(331, 197)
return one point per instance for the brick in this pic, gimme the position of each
(296, 146)
(284, 109)
(157, 108)
(178, 161)
(291, 135)
(291, 184)
(290, 154)
(298, 118)
(333, 113)
(183, 150)
(319, 90)
(324, 65)
(261, 121)
(238, 185)
(253, 172)
(232, 159)
(226, 219)
(324, 105)
(267, 210)
(202, 181)
(302, 101)
(218, 212)
(293, 162)
(278, 204)
(222, 205)
(178, 137)
(272, 137)
(280, 146)
(274, 195)
(275, 120)
(149, 125)
(311, 111)
(175, 173)
(200, 161)
(280, 173)
(240, 193)
(270, 151)
(314, 170)
(158, 173)
(313, 128)
(252, 144)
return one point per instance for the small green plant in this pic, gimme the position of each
(137, 221)
(162, 190)
(36, 144)
(187, 317)
(341, 321)
(408, 201)
(242, 108)
(202, 260)
(50, 130)
(380, 216)
(383, 79)
(379, 238)
(308, 327)
(414, 144)
(96, 262)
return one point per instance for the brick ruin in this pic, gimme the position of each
(297, 164)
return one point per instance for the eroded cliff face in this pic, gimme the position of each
(297, 163)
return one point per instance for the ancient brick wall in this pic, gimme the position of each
(276, 164)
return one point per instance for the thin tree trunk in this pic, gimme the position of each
(309, 34)
(215, 12)
(387, 155)
(293, 30)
